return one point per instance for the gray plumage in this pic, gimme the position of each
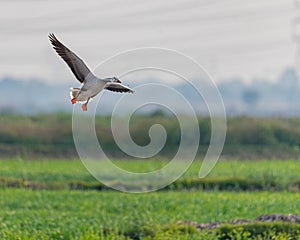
(92, 85)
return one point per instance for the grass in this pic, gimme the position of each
(66, 215)
(266, 175)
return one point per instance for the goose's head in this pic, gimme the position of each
(117, 80)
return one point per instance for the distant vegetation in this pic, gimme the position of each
(260, 97)
(51, 136)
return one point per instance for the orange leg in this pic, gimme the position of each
(84, 107)
(74, 100)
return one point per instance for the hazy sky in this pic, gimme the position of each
(230, 38)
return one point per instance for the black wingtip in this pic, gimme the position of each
(51, 36)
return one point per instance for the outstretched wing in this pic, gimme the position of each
(117, 87)
(77, 66)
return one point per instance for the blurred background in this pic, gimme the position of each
(250, 48)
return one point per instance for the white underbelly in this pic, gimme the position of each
(89, 91)
(83, 96)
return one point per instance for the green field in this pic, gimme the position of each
(61, 213)
(62, 170)
(281, 174)
(74, 214)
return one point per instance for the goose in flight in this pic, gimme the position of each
(91, 85)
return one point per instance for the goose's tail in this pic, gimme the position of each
(74, 92)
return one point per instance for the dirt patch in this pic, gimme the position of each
(290, 218)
